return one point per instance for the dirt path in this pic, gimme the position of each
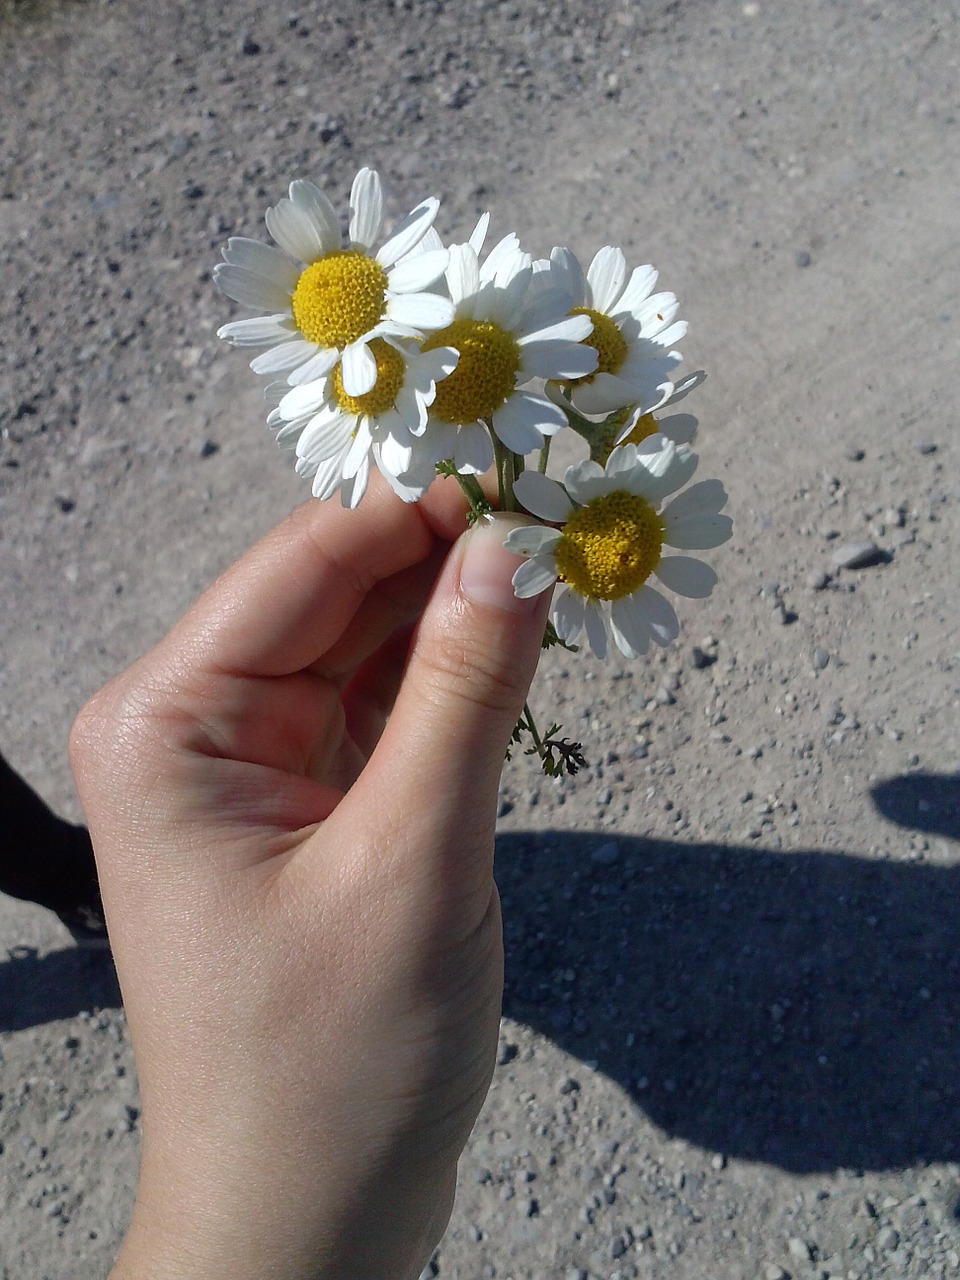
(732, 1041)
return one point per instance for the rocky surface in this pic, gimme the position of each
(731, 1044)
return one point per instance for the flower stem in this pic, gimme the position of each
(504, 460)
(544, 457)
(532, 726)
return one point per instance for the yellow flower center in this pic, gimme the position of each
(390, 370)
(607, 340)
(486, 372)
(646, 426)
(610, 547)
(339, 298)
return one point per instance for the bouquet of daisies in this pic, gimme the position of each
(422, 359)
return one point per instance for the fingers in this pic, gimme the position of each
(434, 776)
(290, 598)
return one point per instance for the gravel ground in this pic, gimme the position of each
(732, 1016)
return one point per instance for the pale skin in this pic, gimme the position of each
(292, 802)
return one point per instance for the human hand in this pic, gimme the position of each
(299, 889)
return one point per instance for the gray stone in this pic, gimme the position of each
(821, 658)
(818, 580)
(799, 1249)
(858, 555)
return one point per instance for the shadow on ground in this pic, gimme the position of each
(798, 1008)
(927, 802)
(36, 989)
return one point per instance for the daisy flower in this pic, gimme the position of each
(505, 339)
(633, 331)
(325, 303)
(633, 426)
(611, 540)
(337, 435)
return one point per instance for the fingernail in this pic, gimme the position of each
(487, 568)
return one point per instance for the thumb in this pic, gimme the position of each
(470, 667)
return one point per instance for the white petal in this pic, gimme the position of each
(596, 626)
(295, 231)
(395, 457)
(463, 272)
(605, 277)
(288, 434)
(567, 614)
(532, 539)
(288, 355)
(686, 576)
(627, 627)
(411, 409)
(326, 434)
(585, 480)
(658, 615)
(473, 454)
(705, 498)
(418, 271)
(317, 366)
(433, 366)
(543, 497)
(251, 290)
(656, 312)
(306, 399)
(366, 209)
(353, 489)
(534, 576)
(567, 274)
(262, 260)
(409, 233)
(516, 422)
(639, 286)
(543, 307)
(604, 394)
(327, 478)
(258, 331)
(311, 201)
(420, 310)
(358, 369)
(557, 360)
(505, 251)
(359, 448)
(479, 233)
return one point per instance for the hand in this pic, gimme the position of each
(292, 801)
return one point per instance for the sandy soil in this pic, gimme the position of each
(732, 1032)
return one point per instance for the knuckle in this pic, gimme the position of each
(459, 667)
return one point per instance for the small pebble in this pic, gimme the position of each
(853, 453)
(606, 854)
(803, 258)
(925, 446)
(249, 47)
(820, 658)
(799, 1249)
(818, 580)
(858, 555)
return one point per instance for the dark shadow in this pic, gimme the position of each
(799, 1008)
(927, 802)
(62, 984)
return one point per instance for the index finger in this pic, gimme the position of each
(290, 597)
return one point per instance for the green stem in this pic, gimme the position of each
(532, 726)
(544, 456)
(504, 474)
(474, 494)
